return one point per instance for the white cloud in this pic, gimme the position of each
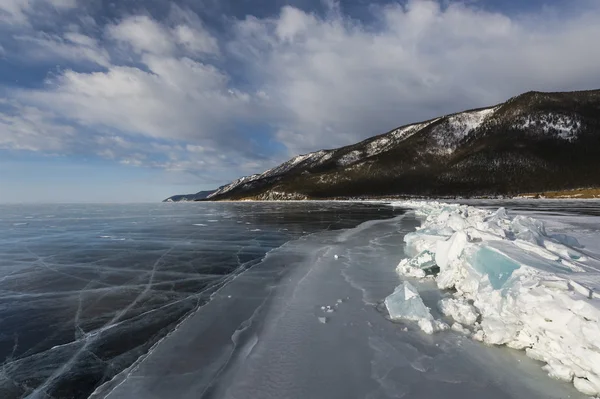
(24, 127)
(147, 36)
(143, 34)
(72, 46)
(18, 12)
(195, 148)
(194, 41)
(175, 99)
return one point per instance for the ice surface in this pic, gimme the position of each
(271, 343)
(87, 291)
(258, 333)
(516, 284)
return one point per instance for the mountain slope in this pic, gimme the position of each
(190, 197)
(533, 142)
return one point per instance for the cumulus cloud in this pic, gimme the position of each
(173, 99)
(72, 46)
(169, 94)
(145, 35)
(25, 127)
(18, 12)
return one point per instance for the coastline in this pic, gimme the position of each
(575, 194)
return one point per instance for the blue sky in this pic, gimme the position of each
(118, 101)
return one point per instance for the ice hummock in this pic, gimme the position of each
(406, 304)
(514, 284)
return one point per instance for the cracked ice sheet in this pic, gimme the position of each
(533, 288)
(85, 290)
(283, 350)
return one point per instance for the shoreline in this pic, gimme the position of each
(382, 200)
(573, 194)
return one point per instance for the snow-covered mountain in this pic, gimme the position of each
(533, 142)
(190, 197)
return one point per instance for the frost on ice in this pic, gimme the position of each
(514, 284)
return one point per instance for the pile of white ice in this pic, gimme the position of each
(512, 284)
(406, 304)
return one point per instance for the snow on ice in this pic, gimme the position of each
(513, 284)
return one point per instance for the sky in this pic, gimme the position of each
(137, 100)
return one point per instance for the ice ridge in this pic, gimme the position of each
(513, 283)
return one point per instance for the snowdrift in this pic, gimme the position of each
(509, 282)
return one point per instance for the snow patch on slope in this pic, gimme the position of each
(350, 158)
(378, 146)
(386, 142)
(407, 131)
(515, 284)
(448, 135)
(313, 158)
(561, 126)
(456, 128)
(234, 184)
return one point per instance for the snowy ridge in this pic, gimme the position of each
(388, 141)
(407, 131)
(456, 128)
(234, 184)
(350, 158)
(561, 126)
(515, 284)
(383, 143)
(313, 158)
(379, 145)
(455, 154)
(316, 158)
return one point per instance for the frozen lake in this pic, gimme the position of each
(180, 301)
(85, 290)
